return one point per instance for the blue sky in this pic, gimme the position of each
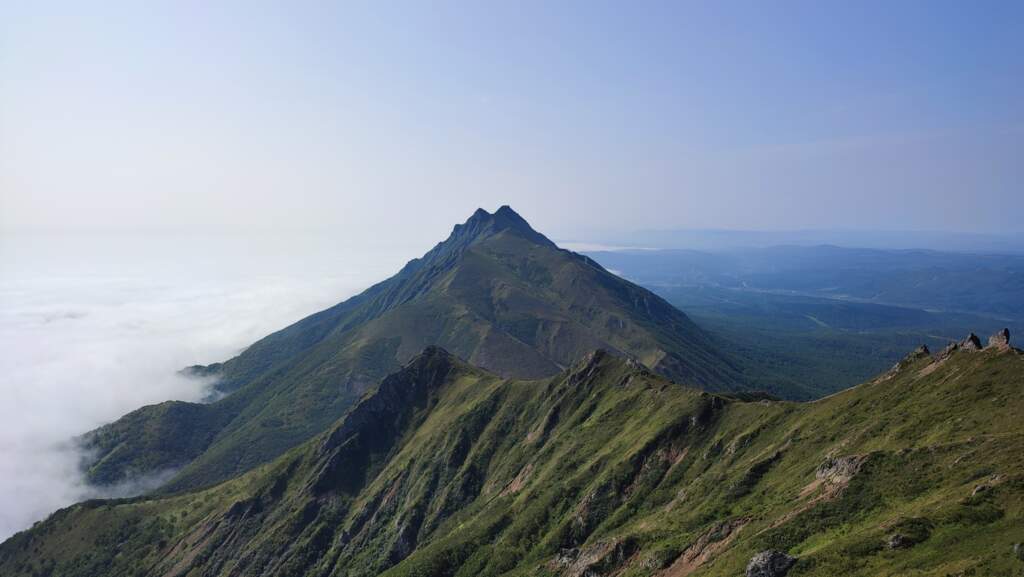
(584, 116)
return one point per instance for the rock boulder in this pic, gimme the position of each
(898, 541)
(770, 564)
(839, 468)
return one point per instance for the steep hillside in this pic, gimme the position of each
(604, 469)
(496, 293)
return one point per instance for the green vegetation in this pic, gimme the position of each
(510, 463)
(804, 322)
(801, 347)
(605, 468)
(495, 293)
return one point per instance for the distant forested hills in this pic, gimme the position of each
(823, 318)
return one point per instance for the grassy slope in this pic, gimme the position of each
(495, 293)
(448, 470)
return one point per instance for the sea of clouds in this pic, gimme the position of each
(92, 328)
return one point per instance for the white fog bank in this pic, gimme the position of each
(92, 328)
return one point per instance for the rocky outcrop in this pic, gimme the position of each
(770, 564)
(839, 469)
(907, 533)
(988, 484)
(971, 343)
(375, 424)
(917, 354)
(898, 541)
(1000, 340)
(587, 367)
(598, 559)
(948, 350)
(706, 547)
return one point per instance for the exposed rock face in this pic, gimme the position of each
(1000, 340)
(399, 394)
(587, 367)
(598, 559)
(770, 564)
(706, 547)
(971, 343)
(908, 532)
(839, 469)
(917, 354)
(405, 542)
(948, 350)
(1018, 551)
(898, 541)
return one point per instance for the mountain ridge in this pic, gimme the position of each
(606, 468)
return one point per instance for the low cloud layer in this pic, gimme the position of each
(82, 349)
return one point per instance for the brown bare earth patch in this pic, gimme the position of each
(930, 368)
(831, 479)
(707, 546)
(604, 558)
(517, 484)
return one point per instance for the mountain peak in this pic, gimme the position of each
(480, 225)
(484, 224)
(506, 211)
(431, 356)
